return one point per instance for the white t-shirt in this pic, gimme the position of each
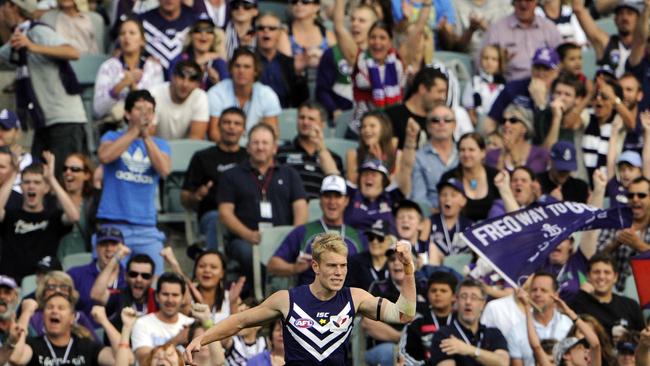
(518, 345)
(173, 120)
(503, 314)
(149, 331)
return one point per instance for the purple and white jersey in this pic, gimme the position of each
(316, 332)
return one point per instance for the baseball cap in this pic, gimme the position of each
(374, 164)
(8, 282)
(631, 157)
(605, 70)
(9, 120)
(452, 182)
(27, 5)
(108, 233)
(563, 155)
(407, 204)
(626, 347)
(564, 346)
(333, 183)
(380, 228)
(635, 5)
(546, 56)
(47, 264)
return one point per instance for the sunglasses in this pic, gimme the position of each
(241, 4)
(55, 287)
(304, 2)
(511, 120)
(271, 28)
(440, 119)
(188, 74)
(631, 195)
(144, 275)
(74, 169)
(372, 237)
(203, 30)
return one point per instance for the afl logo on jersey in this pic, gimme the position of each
(303, 323)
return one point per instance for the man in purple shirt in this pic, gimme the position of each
(520, 34)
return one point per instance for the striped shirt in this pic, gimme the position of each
(239, 353)
(595, 144)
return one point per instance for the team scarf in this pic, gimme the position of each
(382, 93)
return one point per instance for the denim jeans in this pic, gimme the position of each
(141, 239)
(242, 251)
(381, 354)
(208, 228)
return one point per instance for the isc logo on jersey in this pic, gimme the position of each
(303, 323)
(339, 323)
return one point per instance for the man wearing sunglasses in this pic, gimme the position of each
(109, 248)
(626, 243)
(182, 105)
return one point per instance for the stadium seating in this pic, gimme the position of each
(271, 240)
(340, 147)
(77, 259)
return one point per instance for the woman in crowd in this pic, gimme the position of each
(477, 178)
(206, 46)
(517, 190)
(274, 356)
(78, 173)
(308, 37)
(376, 142)
(131, 70)
(517, 129)
(240, 31)
(82, 29)
(333, 79)
(378, 76)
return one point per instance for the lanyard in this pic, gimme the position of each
(374, 274)
(326, 229)
(55, 359)
(265, 185)
(435, 319)
(448, 242)
(464, 336)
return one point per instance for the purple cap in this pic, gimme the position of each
(546, 56)
(453, 183)
(9, 120)
(109, 233)
(374, 164)
(8, 282)
(607, 70)
(563, 155)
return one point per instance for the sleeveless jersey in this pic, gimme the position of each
(315, 332)
(240, 352)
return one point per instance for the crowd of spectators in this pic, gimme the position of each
(437, 147)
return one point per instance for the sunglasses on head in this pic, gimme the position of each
(144, 275)
(241, 4)
(440, 119)
(631, 195)
(372, 237)
(304, 2)
(262, 28)
(74, 169)
(188, 74)
(511, 120)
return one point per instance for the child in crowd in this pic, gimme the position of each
(245, 344)
(571, 60)
(448, 222)
(486, 86)
(409, 224)
(494, 141)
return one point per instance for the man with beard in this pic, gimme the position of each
(137, 294)
(465, 341)
(307, 153)
(9, 330)
(615, 49)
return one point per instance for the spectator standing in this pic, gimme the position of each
(599, 300)
(308, 38)
(473, 18)
(521, 34)
(45, 84)
(82, 28)
(216, 12)
(240, 29)
(133, 162)
(182, 104)
(165, 325)
(293, 256)
(243, 90)
(278, 70)
(10, 133)
(33, 231)
(612, 50)
(436, 157)
(165, 30)
(127, 72)
(258, 193)
(199, 191)
(307, 153)
(566, 21)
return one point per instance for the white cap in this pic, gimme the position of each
(334, 183)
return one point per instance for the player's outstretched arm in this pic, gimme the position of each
(272, 308)
(403, 310)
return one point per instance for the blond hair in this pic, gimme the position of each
(59, 277)
(328, 242)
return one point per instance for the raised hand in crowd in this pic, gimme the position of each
(642, 354)
(124, 355)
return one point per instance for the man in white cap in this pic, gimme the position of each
(293, 257)
(46, 87)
